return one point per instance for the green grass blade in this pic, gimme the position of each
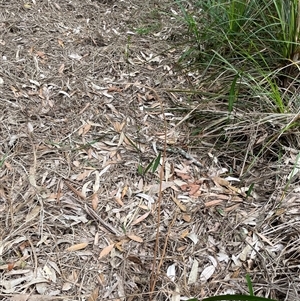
(156, 163)
(233, 297)
(3, 160)
(133, 144)
(237, 297)
(141, 170)
(149, 166)
(249, 191)
(249, 283)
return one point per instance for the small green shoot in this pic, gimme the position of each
(3, 160)
(143, 30)
(250, 286)
(133, 144)
(152, 165)
(249, 191)
(156, 163)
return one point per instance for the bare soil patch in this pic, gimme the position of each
(86, 101)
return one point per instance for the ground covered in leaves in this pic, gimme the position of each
(88, 101)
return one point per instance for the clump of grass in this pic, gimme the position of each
(246, 53)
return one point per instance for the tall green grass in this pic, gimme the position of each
(255, 38)
(246, 54)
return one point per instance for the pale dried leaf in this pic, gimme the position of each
(148, 198)
(54, 266)
(156, 187)
(108, 104)
(167, 171)
(187, 218)
(85, 188)
(83, 175)
(42, 287)
(178, 203)
(121, 139)
(75, 56)
(221, 181)
(64, 93)
(94, 295)
(141, 218)
(213, 203)
(184, 233)
(223, 257)
(33, 213)
(86, 128)
(245, 252)
(13, 139)
(42, 298)
(96, 185)
(171, 271)
(30, 297)
(236, 260)
(76, 163)
(194, 272)
(95, 201)
(179, 183)
(31, 177)
(193, 237)
(207, 273)
(4, 246)
(30, 127)
(124, 191)
(9, 285)
(20, 297)
(61, 69)
(250, 220)
(77, 247)
(77, 219)
(104, 170)
(135, 237)
(106, 250)
(49, 273)
(67, 286)
(213, 261)
(232, 179)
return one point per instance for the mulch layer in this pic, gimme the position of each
(93, 151)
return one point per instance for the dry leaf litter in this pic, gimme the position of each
(81, 95)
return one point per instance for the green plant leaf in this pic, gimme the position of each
(248, 193)
(148, 166)
(140, 170)
(156, 163)
(2, 160)
(249, 283)
(132, 143)
(237, 297)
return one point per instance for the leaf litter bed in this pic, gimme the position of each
(82, 86)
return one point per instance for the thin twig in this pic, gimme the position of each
(155, 271)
